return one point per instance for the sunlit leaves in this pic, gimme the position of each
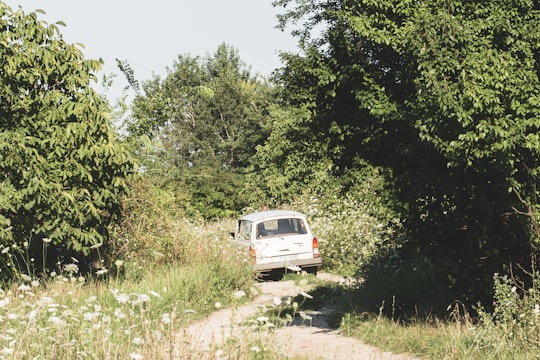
(61, 170)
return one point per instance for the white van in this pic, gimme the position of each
(279, 239)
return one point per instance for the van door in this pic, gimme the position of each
(282, 240)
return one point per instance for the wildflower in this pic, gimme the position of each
(26, 277)
(277, 301)
(135, 356)
(102, 272)
(71, 268)
(141, 298)
(217, 305)
(263, 319)
(46, 240)
(4, 302)
(536, 310)
(514, 289)
(154, 294)
(96, 246)
(120, 297)
(255, 349)
(8, 351)
(57, 321)
(306, 295)
(305, 316)
(119, 314)
(166, 319)
(35, 283)
(239, 294)
(46, 300)
(32, 315)
(24, 288)
(12, 316)
(90, 316)
(118, 263)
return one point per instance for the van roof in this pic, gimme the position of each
(272, 214)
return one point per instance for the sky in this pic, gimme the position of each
(150, 35)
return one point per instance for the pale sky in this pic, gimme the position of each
(151, 34)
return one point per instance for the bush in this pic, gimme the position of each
(515, 318)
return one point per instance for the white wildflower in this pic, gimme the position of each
(8, 351)
(141, 298)
(154, 294)
(514, 289)
(536, 310)
(166, 319)
(71, 268)
(217, 305)
(119, 314)
(263, 319)
(90, 316)
(255, 349)
(24, 287)
(102, 272)
(4, 302)
(135, 356)
(239, 294)
(277, 301)
(57, 321)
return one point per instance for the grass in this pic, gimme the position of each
(66, 318)
(458, 336)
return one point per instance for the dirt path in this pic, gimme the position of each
(311, 340)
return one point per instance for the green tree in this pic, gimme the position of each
(206, 116)
(443, 93)
(62, 172)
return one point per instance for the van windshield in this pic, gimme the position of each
(279, 227)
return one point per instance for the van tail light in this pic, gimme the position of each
(252, 253)
(315, 247)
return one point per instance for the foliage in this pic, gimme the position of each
(444, 94)
(515, 317)
(352, 222)
(63, 315)
(206, 118)
(62, 171)
(205, 111)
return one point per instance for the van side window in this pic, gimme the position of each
(244, 230)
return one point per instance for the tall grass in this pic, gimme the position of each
(69, 316)
(160, 273)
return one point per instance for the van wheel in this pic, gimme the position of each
(312, 270)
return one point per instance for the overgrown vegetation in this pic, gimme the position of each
(408, 132)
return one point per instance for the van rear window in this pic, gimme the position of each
(290, 226)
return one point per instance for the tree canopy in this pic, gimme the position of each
(207, 117)
(62, 171)
(445, 94)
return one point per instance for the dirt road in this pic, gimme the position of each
(312, 339)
